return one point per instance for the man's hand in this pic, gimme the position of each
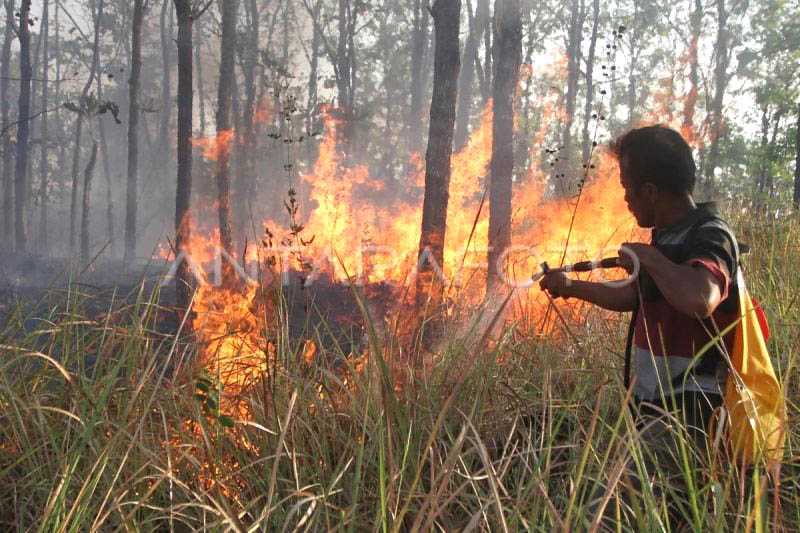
(557, 284)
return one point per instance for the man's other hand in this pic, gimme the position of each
(557, 284)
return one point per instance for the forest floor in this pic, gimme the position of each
(107, 422)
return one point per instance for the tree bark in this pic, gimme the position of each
(574, 40)
(690, 102)
(201, 89)
(59, 118)
(466, 82)
(110, 231)
(88, 174)
(183, 192)
(73, 205)
(227, 65)
(507, 59)
(5, 108)
(720, 85)
(587, 111)
(166, 25)
(419, 47)
(770, 178)
(134, 87)
(82, 115)
(43, 161)
(23, 129)
(313, 69)
(635, 50)
(246, 177)
(447, 62)
(343, 71)
(761, 180)
(796, 196)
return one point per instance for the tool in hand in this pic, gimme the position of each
(583, 266)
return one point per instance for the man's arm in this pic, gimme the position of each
(692, 290)
(613, 298)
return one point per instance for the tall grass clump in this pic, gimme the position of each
(107, 423)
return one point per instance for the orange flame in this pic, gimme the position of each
(360, 233)
(216, 147)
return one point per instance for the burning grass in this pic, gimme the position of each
(109, 424)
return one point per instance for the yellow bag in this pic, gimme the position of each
(753, 395)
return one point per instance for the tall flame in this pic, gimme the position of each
(357, 232)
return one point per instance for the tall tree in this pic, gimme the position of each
(345, 71)
(587, 111)
(721, 78)
(507, 59)
(5, 108)
(229, 9)
(796, 195)
(44, 167)
(690, 102)
(23, 128)
(183, 193)
(574, 39)
(134, 87)
(246, 138)
(419, 51)
(447, 61)
(83, 111)
(466, 81)
(88, 175)
(166, 25)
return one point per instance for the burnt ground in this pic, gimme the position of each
(325, 310)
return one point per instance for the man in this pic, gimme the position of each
(684, 294)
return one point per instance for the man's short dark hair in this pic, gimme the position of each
(658, 155)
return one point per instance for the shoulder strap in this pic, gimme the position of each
(629, 346)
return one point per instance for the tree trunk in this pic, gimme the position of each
(134, 84)
(61, 163)
(201, 89)
(166, 25)
(23, 129)
(43, 163)
(246, 177)
(73, 205)
(771, 155)
(447, 61)
(183, 192)
(796, 196)
(587, 111)
(88, 174)
(720, 85)
(229, 10)
(110, 232)
(5, 108)
(487, 55)
(82, 115)
(419, 47)
(574, 40)
(761, 180)
(507, 59)
(483, 12)
(311, 107)
(466, 82)
(690, 102)
(635, 50)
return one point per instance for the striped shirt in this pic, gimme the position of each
(666, 340)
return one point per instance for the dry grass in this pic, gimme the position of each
(101, 428)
